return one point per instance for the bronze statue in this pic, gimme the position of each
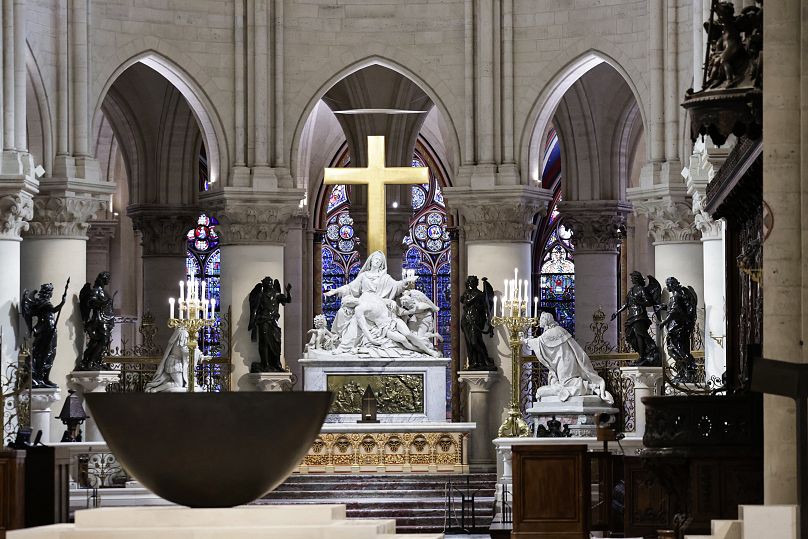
(99, 320)
(639, 297)
(265, 302)
(476, 322)
(680, 323)
(735, 44)
(43, 349)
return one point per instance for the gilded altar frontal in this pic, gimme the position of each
(395, 393)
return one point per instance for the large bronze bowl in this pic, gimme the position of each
(209, 449)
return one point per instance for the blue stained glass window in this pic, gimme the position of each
(203, 262)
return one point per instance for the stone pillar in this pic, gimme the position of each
(253, 235)
(677, 249)
(83, 382)
(55, 249)
(785, 146)
(42, 400)
(595, 227)
(481, 450)
(269, 381)
(498, 224)
(162, 230)
(647, 382)
(99, 235)
(16, 208)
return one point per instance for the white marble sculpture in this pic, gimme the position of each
(571, 372)
(321, 337)
(373, 319)
(172, 371)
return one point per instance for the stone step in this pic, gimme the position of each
(769, 521)
(371, 493)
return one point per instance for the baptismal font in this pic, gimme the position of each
(195, 312)
(516, 317)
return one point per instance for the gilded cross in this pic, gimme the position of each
(376, 176)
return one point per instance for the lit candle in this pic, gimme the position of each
(495, 305)
(212, 306)
(535, 306)
(171, 307)
(182, 290)
(204, 284)
(504, 296)
(179, 308)
(204, 306)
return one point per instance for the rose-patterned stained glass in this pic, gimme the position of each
(554, 251)
(203, 262)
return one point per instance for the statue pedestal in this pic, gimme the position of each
(270, 381)
(580, 413)
(647, 381)
(91, 382)
(407, 389)
(478, 384)
(41, 401)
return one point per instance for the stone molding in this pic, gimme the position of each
(499, 213)
(668, 220)
(63, 216)
(43, 397)
(697, 175)
(91, 381)
(710, 228)
(644, 377)
(162, 229)
(477, 381)
(595, 224)
(270, 381)
(249, 218)
(99, 234)
(16, 210)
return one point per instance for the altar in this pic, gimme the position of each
(408, 390)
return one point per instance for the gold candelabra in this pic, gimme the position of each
(515, 319)
(195, 313)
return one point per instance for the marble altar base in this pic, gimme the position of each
(417, 386)
(580, 413)
(244, 522)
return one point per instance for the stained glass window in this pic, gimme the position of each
(554, 252)
(203, 262)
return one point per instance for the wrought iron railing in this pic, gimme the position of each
(15, 389)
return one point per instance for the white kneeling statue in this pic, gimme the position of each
(172, 371)
(571, 371)
(373, 318)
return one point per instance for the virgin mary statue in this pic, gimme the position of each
(172, 371)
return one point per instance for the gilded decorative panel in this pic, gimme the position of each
(395, 393)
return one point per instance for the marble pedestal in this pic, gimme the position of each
(41, 401)
(478, 384)
(647, 381)
(420, 383)
(91, 382)
(580, 413)
(270, 381)
(244, 522)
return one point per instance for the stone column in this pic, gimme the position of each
(100, 235)
(54, 249)
(16, 208)
(595, 231)
(162, 230)
(647, 382)
(481, 450)
(42, 400)
(498, 224)
(83, 382)
(253, 235)
(677, 249)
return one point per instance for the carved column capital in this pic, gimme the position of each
(15, 212)
(64, 216)
(477, 381)
(595, 224)
(251, 218)
(100, 234)
(669, 220)
(498, 213)
(697, 175)
(162, 228)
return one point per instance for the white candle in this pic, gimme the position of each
(204, 306)
(171, 307)
(204, 285)
(504, 296)
(535, 306)
(182, 290)
(179, 308)
(494, 313)
(212, 306)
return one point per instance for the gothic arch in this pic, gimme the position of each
(204, 112)
(39, 110)
(453, 142)
(546, 103)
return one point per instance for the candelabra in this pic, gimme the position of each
(515, 317)
(195, 313)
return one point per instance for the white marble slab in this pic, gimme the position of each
(246, 522)
(316, 372)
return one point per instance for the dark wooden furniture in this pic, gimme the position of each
(12, 490)
(551, 492)
(40, 486)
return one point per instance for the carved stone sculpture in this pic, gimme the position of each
(735, 44)
(570, 369)
(172, 371)
(266, 299)
(476, 322)
(96, 313)
(371, 321)
(43, 348)
(321, 338)
(641, 296)
(680, 322)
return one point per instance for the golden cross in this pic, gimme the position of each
(376, 176)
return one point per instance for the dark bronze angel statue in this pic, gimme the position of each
(95, 304)
(680, 321)
(37, 304)
(641, 296)
(476, 321)
(266, 299)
